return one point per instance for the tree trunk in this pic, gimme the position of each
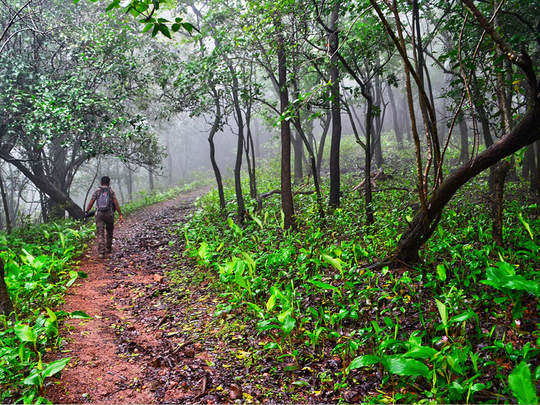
(43, 206)
(56, 210)
(313, 163)
(377, 121)
(151, 179)
(395, 120)
(6, 307)
(322, 142)
(527, 169)
(5, 204)
(367, 164)
(298, 158)
(45, 186)
(482, 114)
(464, 141)
(499, 175)
(250, 156)
(335, 142)
(424, 223)
(377, 150)
(427, 109)
(253, 177)
(287, 204)
(215, 167)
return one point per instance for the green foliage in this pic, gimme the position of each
(310, 293)
(146, 12)
(521, 384)
(503, 277)
(38, 265)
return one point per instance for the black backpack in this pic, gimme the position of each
(104, 200)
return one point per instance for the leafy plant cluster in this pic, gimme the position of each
(459, 328)
(39, 266)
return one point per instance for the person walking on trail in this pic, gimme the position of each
(106, 204)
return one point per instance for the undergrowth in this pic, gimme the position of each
(40, 263)
(460, 327)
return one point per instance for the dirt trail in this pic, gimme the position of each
(123, 354)
(155, 337)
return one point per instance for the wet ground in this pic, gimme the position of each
(135, 348)
(155, 336)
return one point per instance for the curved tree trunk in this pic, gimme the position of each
(215, 167)
(241, 210)
(48, 188)
(5, 204)
(6, 307)
(425, 222)
(322, 142)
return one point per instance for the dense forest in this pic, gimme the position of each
(327, 201)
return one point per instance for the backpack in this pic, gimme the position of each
(104, 201)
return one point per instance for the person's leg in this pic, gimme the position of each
(110, 230)
(100, 234)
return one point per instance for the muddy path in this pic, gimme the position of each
(140, 345)
(158, 332)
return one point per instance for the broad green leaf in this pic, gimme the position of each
(55, 367)
(34, 378)
(52, 315)
(188, 27)
(271, 302)
(465, 316)
(25, 333)
(443, 312)
(504, 276)
(281, 317)
(421, 352)
(408, 367)
(521, 384)
(441, 272)
(288, 324)
(363, 361)
(335, 263)
(258, 310)
(322, 285)
(526, 225)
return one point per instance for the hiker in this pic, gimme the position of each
(106, 204)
